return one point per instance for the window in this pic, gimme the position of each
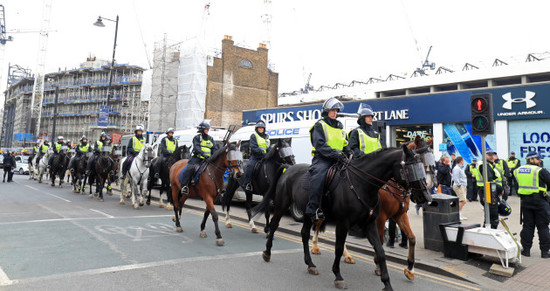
(246, 64)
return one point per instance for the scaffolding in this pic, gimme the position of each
(191, 84)
(164, 86)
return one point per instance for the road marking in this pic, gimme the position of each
(4, 279)
(80, 218)
(102, 213)
(130, 267)
(38, 190)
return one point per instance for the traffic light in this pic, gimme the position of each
(481, 107)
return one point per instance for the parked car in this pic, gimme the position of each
(22, 165)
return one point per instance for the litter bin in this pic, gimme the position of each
(442, 209)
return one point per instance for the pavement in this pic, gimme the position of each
(528, 275)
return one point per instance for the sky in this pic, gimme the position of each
(335, 41)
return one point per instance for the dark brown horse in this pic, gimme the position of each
(209, 185)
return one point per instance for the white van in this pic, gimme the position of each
(296, 132)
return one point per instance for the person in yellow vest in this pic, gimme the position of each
(533, 181)
(167, 147)
(328, 140)
(364, 139)
(56, 149)
(471, 174)
(493, 175)
(203, 148)
(502, 166)
(81, 149)
(258, 145)
(97, 150)
(35, 148)
(513, 164)
(135, 144)
(43, 150)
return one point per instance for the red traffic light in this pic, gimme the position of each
(479, 104)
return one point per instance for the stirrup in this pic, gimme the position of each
(157, 176)
(318, 215)
(185, 190)
(248, 187)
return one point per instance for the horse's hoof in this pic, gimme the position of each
(313, 270)
(179, 229)
(340, 284)
(349, 260)
(133, 204)
(173, 218)
(169, 207)
(121, 202)
(377, 271)
(219, 242)
(96, 194)
(53, 185)
(160, 205)
(91, 196)
(140, 203)
(136, 206)
(316, 251)
(100, 199)
(409, 274)
(228, 225)
(75, 191)
(254, 230)
(148, 202)
(110, 193)
(203, 234)
(266, 257)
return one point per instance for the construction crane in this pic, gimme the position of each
(3, 39)
(38, 88)
(425, 65)
(308, 87)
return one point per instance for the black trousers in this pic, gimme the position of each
(7, 171)
(535, 210)
(471, 193)
(493, 210)
(392, 231)
(318, 172)
(249, 169)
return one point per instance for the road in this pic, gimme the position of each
(53, 239)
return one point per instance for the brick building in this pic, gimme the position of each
(239, 80)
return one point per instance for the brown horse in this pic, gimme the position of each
(209, 185)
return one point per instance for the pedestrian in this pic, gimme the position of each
(453, 161)
(8, 166)
(533, 181)
(444, 175)
(470, 172)
(13, 165)
(392, 232)
(493, 175)
(459, 184)
(513, 164)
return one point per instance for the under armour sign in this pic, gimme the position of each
(529, 103)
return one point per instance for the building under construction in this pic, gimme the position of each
(81, 92)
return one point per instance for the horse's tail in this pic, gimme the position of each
(269, 195)
(232, 186)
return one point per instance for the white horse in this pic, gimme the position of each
(43, 165)
(33, 169)
(137, 176)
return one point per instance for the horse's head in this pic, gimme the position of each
(234, 159)
(148, 155)
(286, 156)
(184, 152)
(411, 175)
(427, 157)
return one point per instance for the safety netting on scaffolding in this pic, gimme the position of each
(191, 84)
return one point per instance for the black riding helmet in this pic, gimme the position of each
(203, 125)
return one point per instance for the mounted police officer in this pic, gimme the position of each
(364, 139)
(35, 149)
(43, 150)
(493, 175)
(81, 149)
(533, 181)
(167, 147)
(97, 150)
(328, 139)
(513, 164)
(259, 143)
(56, 149)
(135, 144)
(203, 147)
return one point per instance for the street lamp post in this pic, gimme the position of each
(100, 23)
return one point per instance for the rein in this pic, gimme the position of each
(140, 172)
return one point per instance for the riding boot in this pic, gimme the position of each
(157, 175)
(248, 187)
(184, 190)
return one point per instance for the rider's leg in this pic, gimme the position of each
(187, 173)
(317, 171)
(126, 166)
(248, 173)
(158, 166)
(50, 161)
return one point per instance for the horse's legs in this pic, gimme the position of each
(203, 223)
(380, 224)
(277, 215)
(210, 206)
(266, 228)
(306, 233)
(341, 234)
(248, 206)
(404, 225)
(374, 239)
(315, 247)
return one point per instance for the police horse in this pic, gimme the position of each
(79, 173)
(137, 177)
(208, 186)
(59, 166)
(352, 200)
(43, 165)
(266, 173)
(182, 152)
(103, 167)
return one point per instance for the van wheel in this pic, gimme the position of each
(296, 213)
(21, 172)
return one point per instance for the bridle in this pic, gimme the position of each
(231, 155)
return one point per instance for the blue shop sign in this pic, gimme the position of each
(523, 102)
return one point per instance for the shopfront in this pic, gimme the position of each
(522, 115)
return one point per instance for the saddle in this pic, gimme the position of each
(332, 179)
(197, 171)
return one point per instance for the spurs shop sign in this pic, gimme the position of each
(315, 114)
